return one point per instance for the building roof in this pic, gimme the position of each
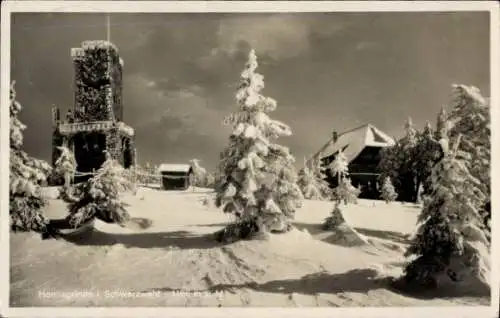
(169, 167)
(353, 141)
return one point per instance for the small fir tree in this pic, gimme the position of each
(257, 182)
(306, 184)
(99, 197)
(26, 174)
(449, 239)
(65, 165)
(346, 192)
(343, 192)
(321, 177)
(388, 192)
(311, 182)
(201, 178)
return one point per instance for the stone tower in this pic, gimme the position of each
(96, 122)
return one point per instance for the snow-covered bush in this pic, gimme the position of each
(449, 239)
(334, 219)
(99, 197)
(388, 192)
(257, 181)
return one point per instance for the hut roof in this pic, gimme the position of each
(169, 167)
(354, 141)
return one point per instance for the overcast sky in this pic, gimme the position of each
(326, 71)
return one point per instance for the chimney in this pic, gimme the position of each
(335, 136)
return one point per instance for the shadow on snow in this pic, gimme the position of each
(358, 280)
(175, 239)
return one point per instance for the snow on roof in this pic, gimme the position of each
(169, 167)
(354, 141)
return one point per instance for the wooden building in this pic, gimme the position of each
(175, 176)
(96, 122)
(361, 147)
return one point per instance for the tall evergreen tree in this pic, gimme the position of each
(427, 153)
(470, 118)
(449, 239)
(398, 162)
(26, 174)
(407, 174)
(258, 183)
(390, 164)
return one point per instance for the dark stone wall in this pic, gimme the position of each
(117, 91)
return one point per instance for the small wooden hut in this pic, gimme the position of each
(175, 176)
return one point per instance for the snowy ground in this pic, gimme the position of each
(175, 261)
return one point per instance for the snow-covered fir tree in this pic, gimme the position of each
(407, 174)
(257, 183)
(398, 162)
(427, 153)
(449, 240)
(344, 191)
(470, 119)
(390, 164)
(65, 165)
(306, 183)
(442, 124)
(388, 192)
(26, 174)
(339, 167)
(321, 177)
(201, 178)
(100, 196)
(410, 138)
(312, 182)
